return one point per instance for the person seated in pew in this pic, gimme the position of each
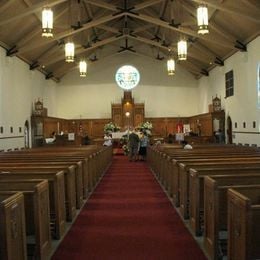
(107, 140)
(186, 145)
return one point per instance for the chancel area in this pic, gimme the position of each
(129, 129)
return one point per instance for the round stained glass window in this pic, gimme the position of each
(127, 77)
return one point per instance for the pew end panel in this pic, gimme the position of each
(12, 226)
(243, 223)
(37, 214)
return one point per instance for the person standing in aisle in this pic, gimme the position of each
(133, 144)
(143, 146)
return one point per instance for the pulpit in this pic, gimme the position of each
(128, 113)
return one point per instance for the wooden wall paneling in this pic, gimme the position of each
(117, 116)
(138, 114)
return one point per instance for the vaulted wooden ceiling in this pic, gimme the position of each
(147, 28)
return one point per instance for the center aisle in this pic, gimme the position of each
(128, 217)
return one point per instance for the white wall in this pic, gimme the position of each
(91, 97)
(242, 107)
(19, 88)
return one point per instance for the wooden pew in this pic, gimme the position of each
(76, 167)
(12, 226)
(70, 190)
(184, 177)
(71, 154)
(243, 223)
(37, 214)
(56, 195)
(200, 160)
(169, 175)
(215, 206)
(196, 190)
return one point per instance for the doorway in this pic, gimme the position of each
(229, 130)
(26, 135)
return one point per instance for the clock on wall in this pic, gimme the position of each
(216, 104)
(127, 77)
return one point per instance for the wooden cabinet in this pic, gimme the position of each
(42, 127)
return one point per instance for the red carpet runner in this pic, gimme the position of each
(128, 217)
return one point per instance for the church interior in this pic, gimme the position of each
(74, 72)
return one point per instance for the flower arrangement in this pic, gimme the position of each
(125, 149)
(146, 127)
(111, 127)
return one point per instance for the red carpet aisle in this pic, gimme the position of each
(128, 217)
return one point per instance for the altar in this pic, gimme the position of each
(118, 135)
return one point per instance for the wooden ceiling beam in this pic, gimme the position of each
(102, 4)
(144, 28)
(254, 17)
(193, 66)
(6, 5)
(146, 4)
(62, 72)
(205, 50)
(108, 28)
(37, 15)
(212, 25)
(180, 29)
(47, 53)
(30, 10)
(69, 32)
(192, 69)
(26, 38)
(81, 50)
(157, 44)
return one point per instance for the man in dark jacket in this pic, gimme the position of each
(133, 144)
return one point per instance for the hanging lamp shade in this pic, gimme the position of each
(83, 68)
(202, 19)
(171, 66)
(69, 52)
(47, 22)
(182, 49)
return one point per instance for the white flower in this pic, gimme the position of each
(111, 127)
(146, 125)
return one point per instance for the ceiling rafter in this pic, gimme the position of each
(29, 4)
(161, 14)
(50, 51)
(255, 4)
(145, 4)
(221, 31)
(70, 32)
(108, 28)
(201, 47)
(31, 10)
(157, 44)
(81, 50)
(66, 69)
(102, 4)
(90, 14)
(6, 5)
(180, 30)
(37, 30)
(231, 9)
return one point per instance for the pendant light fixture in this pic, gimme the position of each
(202, 19)
(69, 52)
(83, 68)
(69, 46)
(171, 66)
(47, 22)
(182, 49)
